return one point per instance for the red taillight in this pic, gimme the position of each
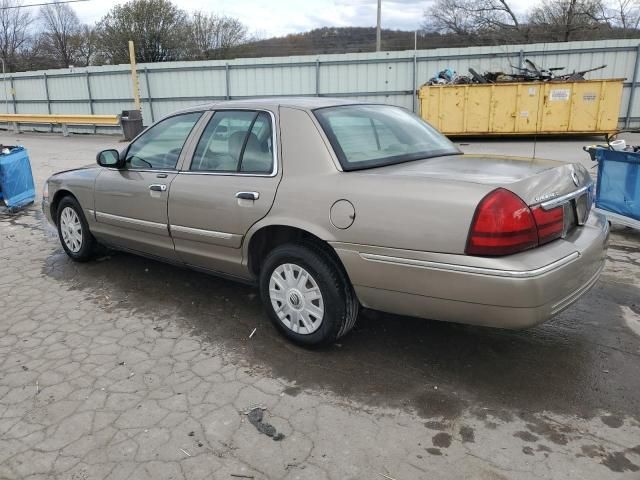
(550, 223)
(503, 224)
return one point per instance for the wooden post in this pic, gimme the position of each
(134, 75)
(46, 91)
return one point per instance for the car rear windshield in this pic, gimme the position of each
(366, 136)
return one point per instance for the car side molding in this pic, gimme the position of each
(468, 269)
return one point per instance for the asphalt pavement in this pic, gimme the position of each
(126, 367)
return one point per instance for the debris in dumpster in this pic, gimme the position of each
(530, 72)
(256, 416)
(477, 77)
(449, 77)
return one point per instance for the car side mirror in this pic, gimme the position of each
(109, 158)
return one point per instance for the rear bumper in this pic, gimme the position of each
(518, 291)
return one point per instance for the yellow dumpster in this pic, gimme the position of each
(585, 107)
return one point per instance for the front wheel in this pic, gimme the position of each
(307, 295)
(73, 230)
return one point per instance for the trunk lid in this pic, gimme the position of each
(533, 180)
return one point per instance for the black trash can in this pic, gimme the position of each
(131, 121)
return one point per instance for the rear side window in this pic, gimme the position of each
(236, 141)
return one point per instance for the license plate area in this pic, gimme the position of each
(576, 213)
(570, 221)
(582, 207)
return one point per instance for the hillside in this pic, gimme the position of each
(363, 39)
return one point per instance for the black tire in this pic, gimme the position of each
(88, 243)
(340, 303)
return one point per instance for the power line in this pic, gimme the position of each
(41, 4)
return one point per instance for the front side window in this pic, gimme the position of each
(366, 136)
(160, 146)
(236, 141)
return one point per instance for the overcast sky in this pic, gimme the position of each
(280, 17)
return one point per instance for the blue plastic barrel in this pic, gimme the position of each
(16, 179)
(618, 187)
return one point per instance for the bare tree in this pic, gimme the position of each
(624, 14)
(562, 19)
(211, 36)
(14, 32)
(157, 27)
(465, 17)
(448, 16)
(61, 30)
(85, 46)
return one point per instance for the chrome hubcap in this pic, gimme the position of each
(296, 298)
(71, 229)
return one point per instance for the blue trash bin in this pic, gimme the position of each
(16, 179)
(618, 186)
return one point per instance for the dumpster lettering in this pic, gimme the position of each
(559, 95)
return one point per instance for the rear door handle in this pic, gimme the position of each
(248, 195)
(157, 188)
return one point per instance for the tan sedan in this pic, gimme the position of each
(328, 206)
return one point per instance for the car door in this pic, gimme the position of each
(228, 184)
(131, 203)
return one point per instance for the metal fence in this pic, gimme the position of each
(386, 77)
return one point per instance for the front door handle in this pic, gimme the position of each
(248, 195)
(157, 188)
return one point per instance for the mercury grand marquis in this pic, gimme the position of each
(329, 206)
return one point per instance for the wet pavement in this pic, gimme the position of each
(129, 368)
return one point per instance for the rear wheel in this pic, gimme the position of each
(73, 230)
(307, 295)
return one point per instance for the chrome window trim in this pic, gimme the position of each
(146, 170)
(556, 202)
(204, 233)
(274, 140)
(134, 221)
(409, 262)
(229, 174)
(167, 117)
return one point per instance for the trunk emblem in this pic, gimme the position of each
(545, 196)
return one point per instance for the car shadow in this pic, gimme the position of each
(569, 365)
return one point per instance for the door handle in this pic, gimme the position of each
(248, 195)
(157, 188)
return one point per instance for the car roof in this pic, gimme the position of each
(272, 103)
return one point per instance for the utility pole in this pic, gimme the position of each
(378, 26)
